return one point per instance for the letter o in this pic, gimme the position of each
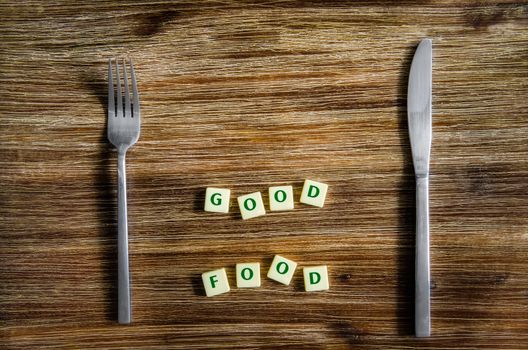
(276, 196)
(243, 274)
(254, 204)
(285, 270)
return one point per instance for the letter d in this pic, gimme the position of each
(315, 277)
(314, 193)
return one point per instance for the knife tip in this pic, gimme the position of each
(426, 42)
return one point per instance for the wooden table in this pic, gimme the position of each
(246, 95)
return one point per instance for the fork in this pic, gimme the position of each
(123, 132)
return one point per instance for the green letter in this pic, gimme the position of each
(243, 274)
(285, 270)
(313, 279)
(213, 281)
(313, 195)
(247, 206)
(276, 195)
(218, 201)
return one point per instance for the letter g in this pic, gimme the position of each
(217, 200)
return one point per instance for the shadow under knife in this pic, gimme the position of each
(406, 209)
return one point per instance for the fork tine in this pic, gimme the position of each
(119, 95)
(135, 95)
(111, 101)
(127, 91)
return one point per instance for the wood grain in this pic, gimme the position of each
(247, 94)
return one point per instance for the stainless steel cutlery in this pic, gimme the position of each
(123, 132)
(124, 128)
(419, 96)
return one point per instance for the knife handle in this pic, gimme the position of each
(422, 303)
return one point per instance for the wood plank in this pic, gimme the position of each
(247, 95)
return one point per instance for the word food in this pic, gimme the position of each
(248, 276)
(280, 198)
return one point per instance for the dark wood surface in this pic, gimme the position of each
(246, 95)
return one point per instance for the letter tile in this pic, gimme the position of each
(314, 193)
(281, 198)
(248, 275)
(315, 278)
(215, 282)
(217, 200)
(251, 205)
(282, 269)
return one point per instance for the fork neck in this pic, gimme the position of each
(121, 151)
(121, 155)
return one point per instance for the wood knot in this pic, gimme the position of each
(152, 23)
(433, 285)
(482, 16)
(345, 277)
(352, 335)
(485, 17)
(500, 278)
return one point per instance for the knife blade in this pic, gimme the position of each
(419, 100)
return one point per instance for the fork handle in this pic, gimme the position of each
(123, 286)
(422, 316)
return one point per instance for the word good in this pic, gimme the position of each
(248, 276)
(280, 199)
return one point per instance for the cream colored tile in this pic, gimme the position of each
(217, 200)
(281, 198)
(215, 282)
(314, 193)
(248, 275)
(282, 269)
(251, 205)
(315, 278)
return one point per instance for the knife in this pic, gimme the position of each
(419, 96)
